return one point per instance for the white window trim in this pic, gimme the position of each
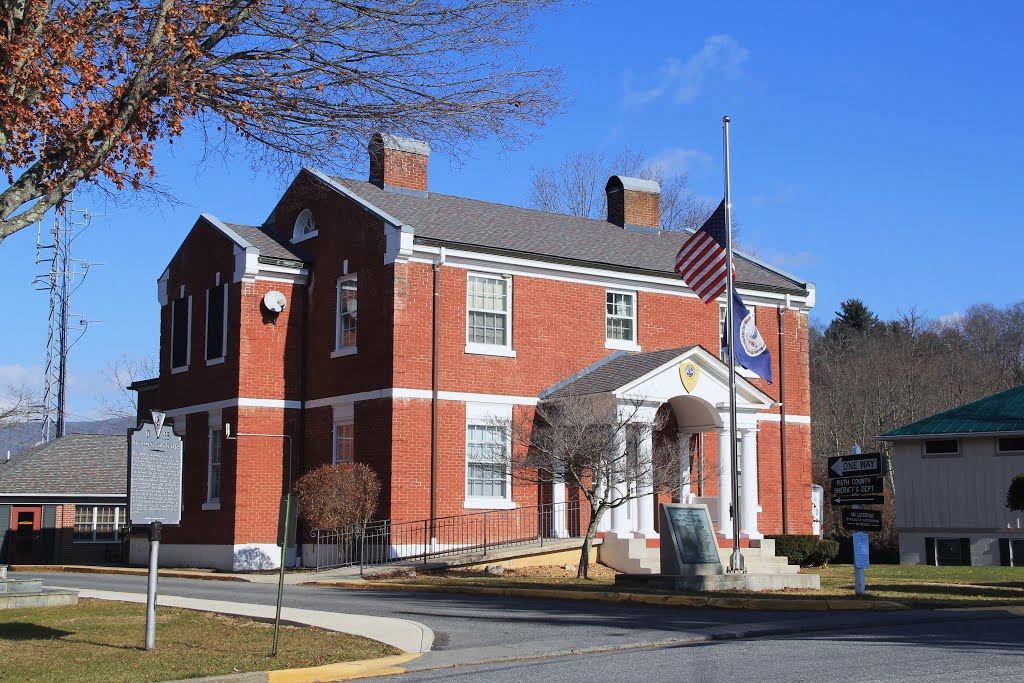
(621, 344)
(1000, 451)
(479, 348)
(296, 237)
(224, 333)
(342, 414)
(925, 454)
(214, 426)
(340, 350)
(487, 414)
(119, 518)
(188, 339)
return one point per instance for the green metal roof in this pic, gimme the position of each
(1002, 412)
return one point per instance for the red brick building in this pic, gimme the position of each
(411, 320)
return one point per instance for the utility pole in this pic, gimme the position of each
(63, 277)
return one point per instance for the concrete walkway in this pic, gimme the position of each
(404, 634)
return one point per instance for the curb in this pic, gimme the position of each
(342, 671)
(754, 603)
(133, 571)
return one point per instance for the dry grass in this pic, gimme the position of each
(103, 641)
(925, 586)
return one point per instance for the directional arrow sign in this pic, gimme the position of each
(860, 464)
(857, 486)
(858, 500)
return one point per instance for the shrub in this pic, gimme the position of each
(338, 495)
(1015, 494)
(806, 550)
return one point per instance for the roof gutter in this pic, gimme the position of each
(949, 435)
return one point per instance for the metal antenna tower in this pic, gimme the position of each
(65, 275)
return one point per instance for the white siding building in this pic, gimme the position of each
(952, 471)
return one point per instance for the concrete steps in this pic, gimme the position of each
(16, 593)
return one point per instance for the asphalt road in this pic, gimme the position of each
(975, 650)
(472, 629)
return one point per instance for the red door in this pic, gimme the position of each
(26, 541)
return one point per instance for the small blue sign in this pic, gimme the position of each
(860, 551)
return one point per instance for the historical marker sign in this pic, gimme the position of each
(862, 520)
(154, 475)
(688, 545)
(854, 465)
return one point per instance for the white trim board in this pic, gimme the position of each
(234, 403)
(486, 263)
(795, 419)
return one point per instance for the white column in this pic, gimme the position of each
(620, 522)
(748, 478)
(645, 485)
(685, 475)
(559, 509)
(724, 485)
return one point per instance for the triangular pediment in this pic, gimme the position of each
(711, 383)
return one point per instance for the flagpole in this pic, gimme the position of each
(736, 563)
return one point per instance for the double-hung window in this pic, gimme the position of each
(98, 524)
(344, 434)
(181, 337)
(488, 447)
(216, 324)
(620, 320)
(345, 318)
(213, 467)
(489, 315)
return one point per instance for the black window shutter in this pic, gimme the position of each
(929, 551)
(215, 323)
(179, 344)
(1004, 552)
(965, 552)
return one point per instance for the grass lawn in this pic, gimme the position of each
(103, 641)
(938, 586)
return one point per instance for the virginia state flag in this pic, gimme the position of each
(751, 351)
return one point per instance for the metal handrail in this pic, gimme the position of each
(386, 542)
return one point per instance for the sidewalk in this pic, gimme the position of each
(404, 634)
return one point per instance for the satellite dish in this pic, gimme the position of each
(274, 301)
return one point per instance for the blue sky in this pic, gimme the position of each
(876, 153)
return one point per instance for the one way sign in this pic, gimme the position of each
(854, 465)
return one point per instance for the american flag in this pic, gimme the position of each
(701, 261)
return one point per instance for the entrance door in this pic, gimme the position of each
(26, 542)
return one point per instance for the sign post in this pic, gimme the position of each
(285, 537)
(154, 495)
(857, 480)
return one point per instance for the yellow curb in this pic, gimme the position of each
(131, 571)
(344, 671)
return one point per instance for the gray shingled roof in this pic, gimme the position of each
(84, 464)
(473, 223)
(271, 243)
(614, 372)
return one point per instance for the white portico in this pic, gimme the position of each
(692, 385)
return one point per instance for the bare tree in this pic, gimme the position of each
(576, 187)
(87, 89)
(122, 372)
(590, 443)
(19, 404)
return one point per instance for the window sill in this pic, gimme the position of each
(489, 350)
(212, 506)
(344, 351)
(621, 345)
(215, 361)
(175, 371)
(488, 504)
(103, 542)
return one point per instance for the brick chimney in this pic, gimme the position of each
(399, 164)
(633, 203)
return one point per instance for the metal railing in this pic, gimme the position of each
(386, 542)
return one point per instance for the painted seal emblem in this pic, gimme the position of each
(689, 373)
